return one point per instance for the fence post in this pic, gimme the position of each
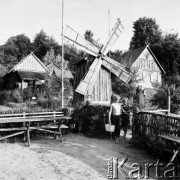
(24, 114)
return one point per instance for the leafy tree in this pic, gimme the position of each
(18, 46)
(3, 70)
(40, 44)
(49, 57)
(167, 52)
(116, 55)
(89, 36)
(146, 30)
(7, 61)
(53, 44)
(72, 55)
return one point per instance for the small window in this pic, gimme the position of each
(152, 66)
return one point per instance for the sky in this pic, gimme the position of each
(30, 16)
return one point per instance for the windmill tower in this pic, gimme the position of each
(93, 80)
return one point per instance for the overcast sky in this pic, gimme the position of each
(30, 16)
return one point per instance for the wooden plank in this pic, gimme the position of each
(28, 134)
(5, 120)
(24, 114)
(45, 130)
(12, 135)
(12, 129)
(171, 138)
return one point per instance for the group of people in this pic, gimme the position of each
(119, 115)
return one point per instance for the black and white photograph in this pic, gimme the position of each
(89, 89)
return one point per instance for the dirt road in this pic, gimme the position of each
(77, 157)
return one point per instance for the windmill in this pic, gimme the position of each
(87, 83)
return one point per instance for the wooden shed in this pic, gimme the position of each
(29, 71)
(102, 89)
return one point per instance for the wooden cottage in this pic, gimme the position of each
(29, 71)
(149, 70)
(102, 90)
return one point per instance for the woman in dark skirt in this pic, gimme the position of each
(125, 116)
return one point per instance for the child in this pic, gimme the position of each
(125, 116)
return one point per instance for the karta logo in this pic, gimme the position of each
(137, 171)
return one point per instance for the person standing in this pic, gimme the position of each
(114, 116)
(125, 117)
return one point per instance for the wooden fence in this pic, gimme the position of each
(155, 123)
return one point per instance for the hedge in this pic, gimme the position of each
(91, 119)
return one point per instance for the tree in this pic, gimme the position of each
(40, 44)
(146, 30)
(89, 36)
(7, 61)
(49, 57)
(167, 52)
(116, 55)
(18, 46)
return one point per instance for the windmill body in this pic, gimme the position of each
(93, 74)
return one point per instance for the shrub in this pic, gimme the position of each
(27, 94)
(16, 96)
(91, 119)
(4, 95)
(42, 102)
(11, 96)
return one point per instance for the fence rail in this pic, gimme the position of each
(33, 115)
(156, 123)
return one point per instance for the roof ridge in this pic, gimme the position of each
(23, 59)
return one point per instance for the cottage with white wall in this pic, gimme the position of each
(149, 70)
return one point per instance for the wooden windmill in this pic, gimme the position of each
(94, 80)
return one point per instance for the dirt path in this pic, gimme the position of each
(76, 158)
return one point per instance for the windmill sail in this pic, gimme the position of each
(87, 84)
(115, 33)
(117, 69)
(75, 38)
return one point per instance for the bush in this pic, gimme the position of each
(91, 119)
(27, 94)
(16, 96)
(42, 102)
(4, 95)
(11, 96)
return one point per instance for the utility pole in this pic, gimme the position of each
(109, 24)
(62, 65)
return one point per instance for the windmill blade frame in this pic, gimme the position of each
(116, 68)
(114, 35)
(89, 80)
(75, 38)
